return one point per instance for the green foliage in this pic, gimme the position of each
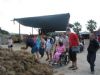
(91, 25)
(77, 27)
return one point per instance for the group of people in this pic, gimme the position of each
(68, 42)
(62, 43)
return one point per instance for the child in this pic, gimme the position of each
(10, 43)
(92, 49)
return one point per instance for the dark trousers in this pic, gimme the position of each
(91, 57)
(72, 55)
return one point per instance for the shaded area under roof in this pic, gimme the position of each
(56, 22)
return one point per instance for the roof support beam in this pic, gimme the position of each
(19, 33)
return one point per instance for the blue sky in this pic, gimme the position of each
(80, 10)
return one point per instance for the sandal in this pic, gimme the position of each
(47, 59)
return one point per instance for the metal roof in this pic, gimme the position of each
(56, 22)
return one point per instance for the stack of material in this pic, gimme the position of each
(21, 63)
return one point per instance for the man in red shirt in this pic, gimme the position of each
(73, 42)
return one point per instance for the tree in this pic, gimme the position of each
(77, 27)
(91, 25)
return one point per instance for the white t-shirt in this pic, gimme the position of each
(57, 38)
(48, 44)
(10, 42)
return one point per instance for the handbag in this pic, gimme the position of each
(75, 49)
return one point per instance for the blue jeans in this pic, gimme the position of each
(91, 57)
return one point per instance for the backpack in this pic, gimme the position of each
(51, 41)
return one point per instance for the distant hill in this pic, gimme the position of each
(3, 31)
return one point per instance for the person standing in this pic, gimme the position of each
(0, 41)
(65, 42)
(10, 43)
(73, 42)
(42, 47)
(48, 49)
(92, 49)
(34, 49)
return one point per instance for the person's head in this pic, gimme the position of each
(60, 43)
(92, 36)
(30, 36)
(64, 35)
(68, 31)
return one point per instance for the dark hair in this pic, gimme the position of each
(68, 29)
(60, 43)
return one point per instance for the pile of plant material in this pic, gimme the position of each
(21, 63)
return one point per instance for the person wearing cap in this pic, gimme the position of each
(73, 42)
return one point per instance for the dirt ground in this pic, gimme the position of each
(83, 66)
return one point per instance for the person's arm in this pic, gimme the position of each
(54, 50)
(96, 44)
(26, 46)
(64, 49)
(78, 41)
(43, 44)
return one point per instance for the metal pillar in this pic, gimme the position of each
(32, 30)
(39, 31)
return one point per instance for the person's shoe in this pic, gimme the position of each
(74, 68)
(54, 63)
(92, 72)
(47, 59)
(71, 67)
